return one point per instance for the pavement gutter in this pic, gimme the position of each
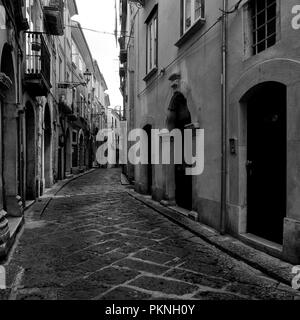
(271, 266)
(52, 192)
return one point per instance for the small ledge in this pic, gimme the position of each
(190, 33)
(194, 125)
(150, 74)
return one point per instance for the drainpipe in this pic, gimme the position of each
(224, 120)
(20, 120)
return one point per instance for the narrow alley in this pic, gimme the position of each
(94, 241)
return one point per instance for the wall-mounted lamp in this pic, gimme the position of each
(72, 85)
(87, 76)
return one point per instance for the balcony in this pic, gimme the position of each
(37, 73)
(54, 17)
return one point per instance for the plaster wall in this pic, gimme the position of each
(198, 61)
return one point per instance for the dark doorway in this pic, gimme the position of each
(148, 167)
(11, 181)
(47, 147)
(68, 154)
(30, 153)
(81, 152)
(75, 153)
(60, 164)
(266, 165)
(179, 117)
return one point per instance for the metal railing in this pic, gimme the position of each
(38, 59)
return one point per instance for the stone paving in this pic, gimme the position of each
(96, 242)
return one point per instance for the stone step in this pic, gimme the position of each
(14, 224)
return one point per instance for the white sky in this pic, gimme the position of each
(100, 15)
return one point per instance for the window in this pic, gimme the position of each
(152, 41)
(192, 11)
(264, 24)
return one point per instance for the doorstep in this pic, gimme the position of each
(124, 180)
(261, 244)
(14, 225)
(271, 266)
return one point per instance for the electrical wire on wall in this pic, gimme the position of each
(184, 54)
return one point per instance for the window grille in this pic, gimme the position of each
(264, 24)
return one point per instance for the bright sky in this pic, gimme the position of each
(100, 15)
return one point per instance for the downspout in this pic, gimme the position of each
(20, 120)
(224, 120)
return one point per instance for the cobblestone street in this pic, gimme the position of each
(94, 241)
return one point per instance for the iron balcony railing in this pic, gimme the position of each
(38, 59)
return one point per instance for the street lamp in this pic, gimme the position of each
(87, 76)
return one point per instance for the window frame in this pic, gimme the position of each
(151, 68)
(255, 40)
(194, 20)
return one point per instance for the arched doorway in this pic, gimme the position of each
(47, 147)
(91, 155)
(68, 153)
(30, 154)
(266, 110)
(11, 165)
(178, 117)
(81, 151)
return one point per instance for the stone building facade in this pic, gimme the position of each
(13, 24)
(100, 107)
(231, 68)
(41, 84)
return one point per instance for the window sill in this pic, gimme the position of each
(190, 33)
(150, 74)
